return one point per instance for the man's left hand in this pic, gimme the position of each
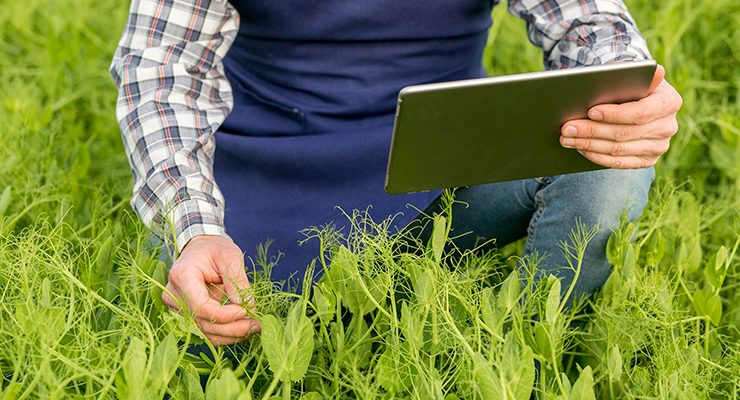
(628, 135)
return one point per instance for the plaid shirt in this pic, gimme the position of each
(173, 94)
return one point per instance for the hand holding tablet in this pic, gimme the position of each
(628, 135)
(505, 128)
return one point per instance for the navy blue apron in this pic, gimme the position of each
(315, 86)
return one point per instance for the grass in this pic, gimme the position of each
(79, 315)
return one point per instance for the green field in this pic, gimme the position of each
(80, 309)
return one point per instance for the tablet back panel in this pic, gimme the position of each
(503, 128)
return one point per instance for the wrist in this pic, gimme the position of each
(192, 217)
(206, 239)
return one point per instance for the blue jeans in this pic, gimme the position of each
(545, 210)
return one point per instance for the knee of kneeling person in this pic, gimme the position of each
(622, 193)
(604, 196)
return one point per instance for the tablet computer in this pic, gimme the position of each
(496, 129)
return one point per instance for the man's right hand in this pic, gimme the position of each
(208, 268)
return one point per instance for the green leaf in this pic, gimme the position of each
(288, 348)
(46, 293)
(273, 343)
(345, 276)
(583, 389)
(489, 384)
(396, 368)
(624, 293)
(164, 363)
(225, 387)
(614, 364)
(311, 396)
(567, 388)
(708, 305)
(134, 370)
(160, 275)
(101, 263)
(424, 288)
(690, 253)
(11, 392)
(386, 373)
(629, 262)
(4, 201)
(698, 301)
(542, 338)
(245, 395)
(553, 302)
(525, 375)
(362, 353)
(378, 286)
(613, 248)
(613, 285)
(657, 248)
(325, 303)
(188, 387)
(509, 292)
(411, 326)
(439, 237)
(690, 358)
(629, 232)
(716, 268)
(714, 309)
(489, 313)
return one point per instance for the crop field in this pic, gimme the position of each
(81, 315)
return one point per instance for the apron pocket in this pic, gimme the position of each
(255, 115)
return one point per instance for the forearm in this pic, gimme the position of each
(579, 33)
(173, 96)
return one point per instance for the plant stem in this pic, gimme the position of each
(256, 372)
(273, 385)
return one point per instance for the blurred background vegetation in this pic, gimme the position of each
(66, 181)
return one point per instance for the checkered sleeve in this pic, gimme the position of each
(576, 33)
(173, 95)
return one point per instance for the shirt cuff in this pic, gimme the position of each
(190, 218)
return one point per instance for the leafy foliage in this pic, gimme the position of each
(81, 314)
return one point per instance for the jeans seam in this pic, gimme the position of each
(532, 229)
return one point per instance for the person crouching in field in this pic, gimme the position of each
(252, 120)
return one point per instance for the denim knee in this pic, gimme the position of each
(591, 198)
(603, 196)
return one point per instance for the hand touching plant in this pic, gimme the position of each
(629, 135)
(209, 268)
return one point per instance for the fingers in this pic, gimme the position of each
(660, 129)
(219, 332)
(216, 291)
(628, 135)
(623, 146)
(616, 162)
(209, 268)
(217, 340)
(234, 278)
(240, 328)
(657, 78)
(642, 148)
(191, 288)
(660, 102)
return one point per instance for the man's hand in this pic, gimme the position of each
(629, 135)
(209, 268)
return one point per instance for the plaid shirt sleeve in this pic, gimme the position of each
(173, 95)
(576, 33)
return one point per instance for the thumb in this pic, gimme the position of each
(657, 78)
